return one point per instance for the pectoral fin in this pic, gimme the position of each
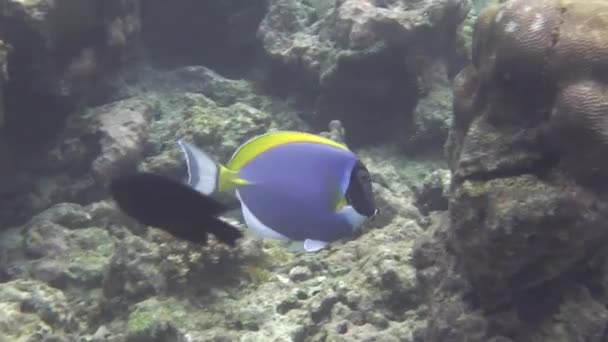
(314, 245)
(307, 245)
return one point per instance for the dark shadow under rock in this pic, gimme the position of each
(218, 34)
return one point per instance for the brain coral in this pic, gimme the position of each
(544, 59)
(513, 43)
(528, 145)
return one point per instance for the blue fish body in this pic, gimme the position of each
(293, 188)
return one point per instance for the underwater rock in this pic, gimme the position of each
(361, 288)
(203, 122)
(65, 256)
(335, 132)
(64, 54)
(155, 287)
(91, 149)
(123, 131)
(527, 209)
(166, 90)
(78, 45)
(432, 116)
(328, 296)
(133, 273)
(155, 332)
(219, 34)
(200, 79)
(433, 193)
(363, 61)
(34, 311)
(191, 102)
(4, 50)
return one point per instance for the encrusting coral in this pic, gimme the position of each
(528, 206)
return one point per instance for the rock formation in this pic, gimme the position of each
(526, 241)
(365, 63)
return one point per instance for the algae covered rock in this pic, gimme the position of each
(432, 116)
(301, 297)
(92, 149)
(78, 44)
(527, 203)
(356, 289)
(133, 272)
(61, 55)
(509, 141)
(123, 127)
(365, 62)
(65, 248)
(433, 193)
(214, 128)
(32, 310)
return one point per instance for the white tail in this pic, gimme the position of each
(202, 169)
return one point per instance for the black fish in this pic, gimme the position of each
(177, 208)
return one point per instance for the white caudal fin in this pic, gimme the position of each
(202, 169)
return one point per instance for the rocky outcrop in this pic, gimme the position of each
(92, 149)
(123, 131)
(432, 194)
(366, 63)
(112, 279)
(144, 285)
(68, 48)
(528, 208)
(55, 58)
(218, 34)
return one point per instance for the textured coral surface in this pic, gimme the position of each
(528, 204)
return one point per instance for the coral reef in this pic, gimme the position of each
(521, 256)
(219, 34)
(366, 63)
(123, 130)
(433, 192)
(78, 61)
(192, 103)
(62, 53)
(119, 281)
(55, 58)
(92, 148)
(74, 268)
(83, 38)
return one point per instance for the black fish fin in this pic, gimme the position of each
(223, 231)
(174, 207)
(187, 232)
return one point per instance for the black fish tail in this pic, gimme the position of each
(174, 207)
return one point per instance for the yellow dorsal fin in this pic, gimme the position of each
(262, 143)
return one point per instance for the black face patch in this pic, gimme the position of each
(359, 193)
